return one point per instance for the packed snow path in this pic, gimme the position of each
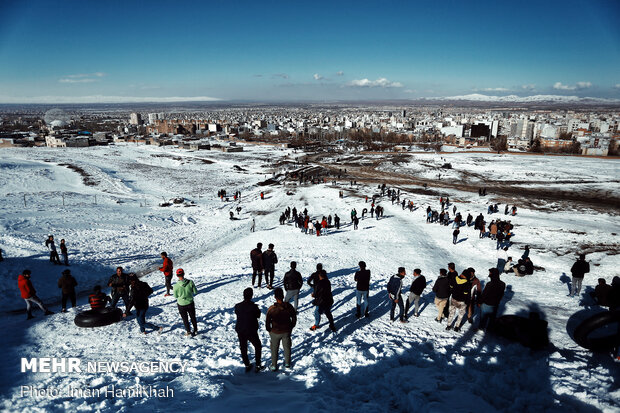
(368, 365)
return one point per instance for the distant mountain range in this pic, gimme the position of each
(476, 97)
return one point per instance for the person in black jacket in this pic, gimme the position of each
(270, 259)
(490, 298)
(120, 288)
(292, 284)
(314, 277)
(323, 300)
(139, 298)
(256, 256)
(460, 290)
(247, 329)
(67, 283)
(415, 292)
(578, 270)
(362, 278)
(442, 293)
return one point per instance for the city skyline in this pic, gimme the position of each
(71, 52)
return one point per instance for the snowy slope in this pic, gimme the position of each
(368, 365)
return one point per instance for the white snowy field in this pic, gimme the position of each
(368, 365)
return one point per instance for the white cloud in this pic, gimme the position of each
(617, 86)
(82, 78)
(281, 75)
(577, 86)
(381, 82)
(530, 87)
(496, 89)
(316, 76)
(340, 73)
(103, 99)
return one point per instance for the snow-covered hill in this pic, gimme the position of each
(477, 97)
(367, 365)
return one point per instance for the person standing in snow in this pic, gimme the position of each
(460, 289)
(362, 278)
(394, 287)
(280, 321)
(63, 251)
(120, 288)
(314, 277)
(579, 269)
(292, 284)
(246, 327)
(455, 235)
(253, 226)
(98, 299)
(415, 292)
(67, 285)
(184, 291)
(337, 221)
(256, 256)
(139, 298)
(356, 222)
(270, 259)
(166, 268)
(476, 290)
(490, 298)
(49, 243)
(29, 294)
(442, 293)
(323, 301)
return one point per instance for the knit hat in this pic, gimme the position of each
(180, 272)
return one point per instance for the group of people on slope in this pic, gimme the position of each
(54, 258)
(134, 293)
(456, 296)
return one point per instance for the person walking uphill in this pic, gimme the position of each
(281, 319)
(579, 269)
(67, 283)
(323, 300)
(184, 291)
(292, 284)
(29, 294)
(166, 268)
(270, 259)
(256, 256)
(415, 292)
(120, 288)
(362, 278)
(246, 327)
(139, 298)
(394, 287)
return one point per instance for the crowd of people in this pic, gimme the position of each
(458, 297)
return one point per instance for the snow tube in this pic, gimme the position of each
(531, 332)
(98, 318)
(604, 343)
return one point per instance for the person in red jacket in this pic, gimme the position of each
(166, 268)
(29, 294)
(97, 299)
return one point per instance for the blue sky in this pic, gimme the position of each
(73, 51)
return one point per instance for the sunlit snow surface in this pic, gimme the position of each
(368, 365)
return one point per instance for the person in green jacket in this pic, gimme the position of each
(184, 291)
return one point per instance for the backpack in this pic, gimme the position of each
(393, 285)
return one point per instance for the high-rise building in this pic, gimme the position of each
(135, 119)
